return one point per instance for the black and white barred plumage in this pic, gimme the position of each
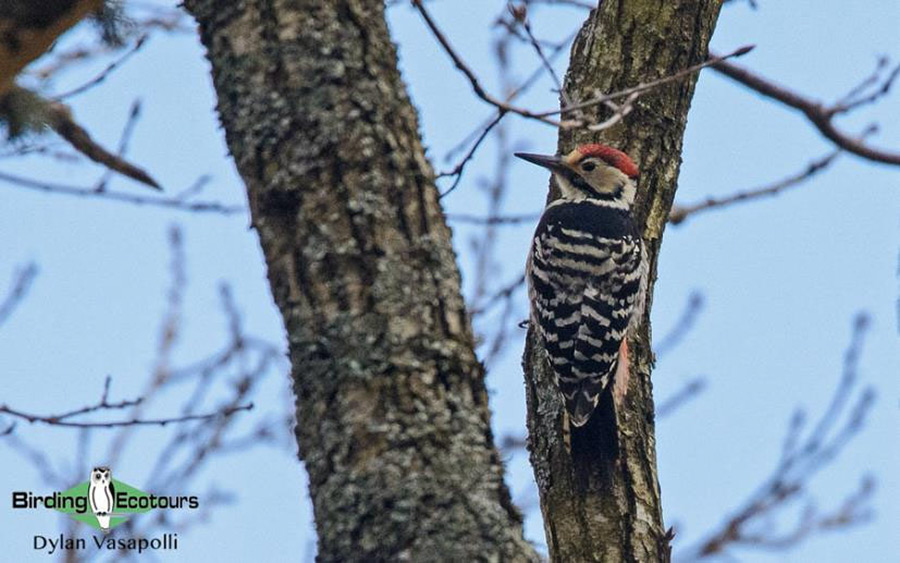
(586, 273)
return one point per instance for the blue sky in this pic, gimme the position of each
(782, 278)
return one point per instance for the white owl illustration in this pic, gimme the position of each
(102, 495)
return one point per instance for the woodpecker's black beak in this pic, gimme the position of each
(552, 162)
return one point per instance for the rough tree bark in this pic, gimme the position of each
(393, 423)
(595, 509)
(392, 413)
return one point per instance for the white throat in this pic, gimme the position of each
(613, 189)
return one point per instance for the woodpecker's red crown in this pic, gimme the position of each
(609, 155)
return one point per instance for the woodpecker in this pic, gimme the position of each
(587, 273)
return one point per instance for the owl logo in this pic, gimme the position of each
(102, 496)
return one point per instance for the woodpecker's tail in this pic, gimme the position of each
(582, 396)
(595, 442)
(581, 400)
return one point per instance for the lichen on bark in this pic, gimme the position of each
(392, 415)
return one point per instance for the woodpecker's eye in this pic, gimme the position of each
(588, 166)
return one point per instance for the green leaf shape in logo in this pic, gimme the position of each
(81, 490)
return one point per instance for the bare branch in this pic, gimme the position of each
(63, 419)
(124, 139)
(511, 443)
(800, 460)
(60, 119)
(176, 202)
(683, 325)
(819, 115)
(202, 431)
(59, 420)
(688, 392)
(501, 334)
(470, 75)
(515, 93)
(23, 109)
(544, 117)
(159, 18)
(503, 294)
(458, 169)
(583, 4)
(857, 96)
(22, 280)
(645, 86)
(44, 149)
(520, 15)
(752, 3)
(495, 220)
(101, 405)
(681, 212)
(37, 458)
(105, 73)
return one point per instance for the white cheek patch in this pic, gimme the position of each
(568, 190)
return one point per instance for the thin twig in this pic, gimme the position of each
(105, 73)
(645, 86)
(495, 220)
(127, 131)
(819, 115)
(165, 19)
(520, 15)
(22, 281)
(752, 3)
(544, 117)
(864, 84)
(573, 3)
(44, 149)
(511, 443)
(54, 420)
(37, 457)
(503, 294)
(681, 212)
(689, 391)
(60, 119)
(169, 203)
(515, 93)
(202, 431)
(682, 327)
(102, 405)
(800, 460)
(470, 75)
(461, 166)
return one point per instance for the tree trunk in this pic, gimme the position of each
(596, 508)
(392, 412)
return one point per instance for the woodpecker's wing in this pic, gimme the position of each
(607, 308)
(584, 279)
